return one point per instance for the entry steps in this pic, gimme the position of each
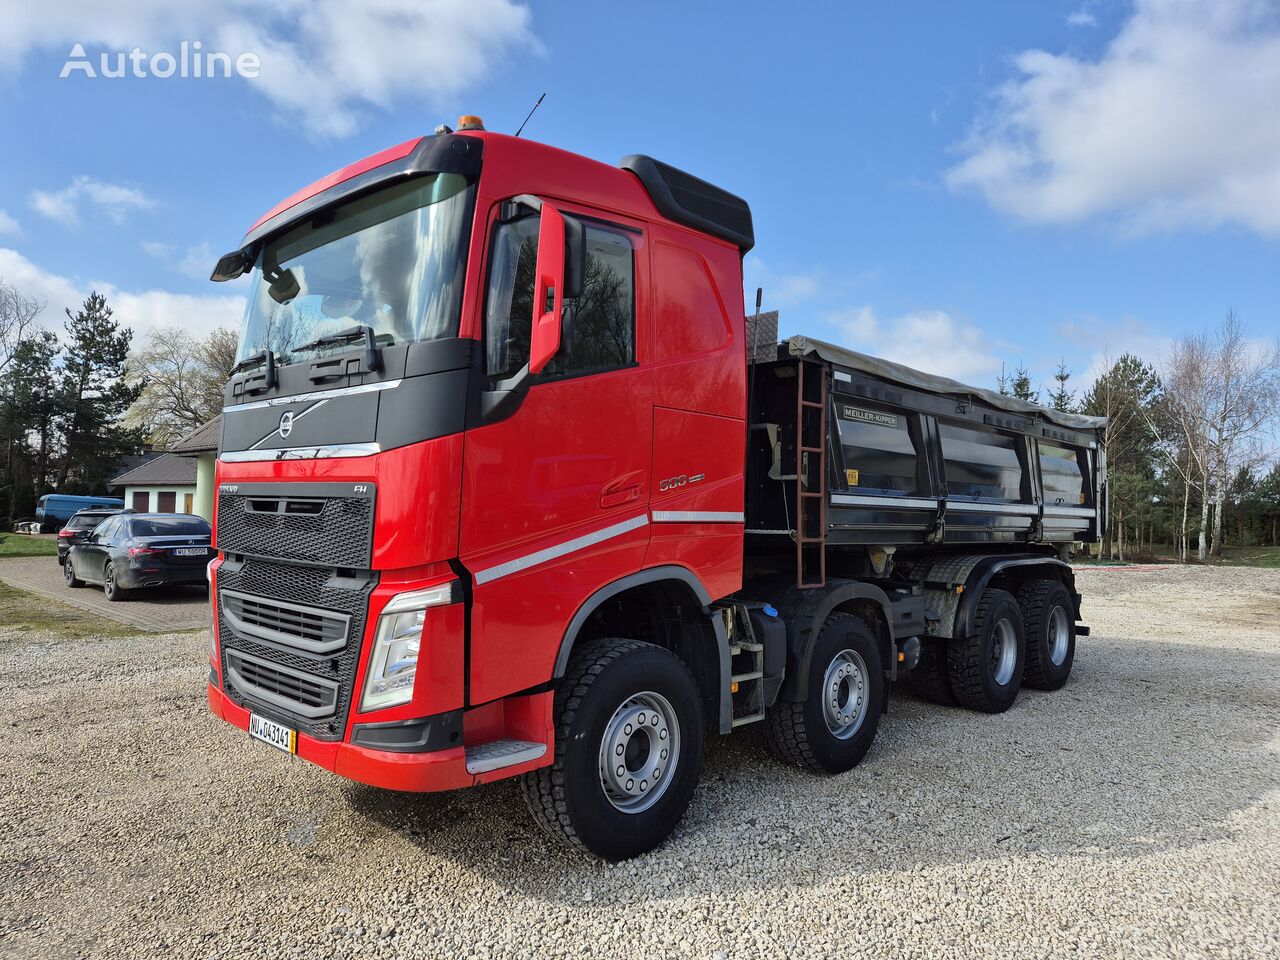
(747, 688)
(496, 754)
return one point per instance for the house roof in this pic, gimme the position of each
(169, 470)
(203, 439)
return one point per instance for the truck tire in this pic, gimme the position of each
(930, 680)
(986, 666)
(1049, 623)
(629, 741)
(832, 729)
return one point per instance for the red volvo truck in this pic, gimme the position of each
(509, 485)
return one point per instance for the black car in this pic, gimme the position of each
(133, 550)
(80, 526)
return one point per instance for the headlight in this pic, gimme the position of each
(393, 664)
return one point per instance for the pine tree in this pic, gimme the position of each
(1021, 387)
(95, 395)
(1062, 397)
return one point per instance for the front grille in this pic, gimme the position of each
(277, 621)
(336, 531)
(279, 591)
(289, 690)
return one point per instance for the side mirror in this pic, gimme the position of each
(548, 290)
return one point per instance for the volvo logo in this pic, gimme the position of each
(286, 424)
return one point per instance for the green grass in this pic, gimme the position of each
(20, 545)
(1232, 556)
(23, 613)
(1251, 557)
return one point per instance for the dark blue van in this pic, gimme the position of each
(55, 509)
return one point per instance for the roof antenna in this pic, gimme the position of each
(535, 107)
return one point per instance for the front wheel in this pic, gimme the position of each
(832, 729)
(629, 741)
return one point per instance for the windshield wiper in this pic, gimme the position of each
(266, 357)
(372, 355)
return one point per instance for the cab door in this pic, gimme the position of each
(555, 492)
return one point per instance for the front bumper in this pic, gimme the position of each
(444, 769)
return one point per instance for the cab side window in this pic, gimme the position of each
(599, 328)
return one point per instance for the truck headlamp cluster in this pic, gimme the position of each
(393, 664)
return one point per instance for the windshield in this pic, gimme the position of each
(392, 260)
(170, 527)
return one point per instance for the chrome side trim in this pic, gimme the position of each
(559, 550)
(314, 395)
(337, 451)
(1020, 509)
(1069, 511)
(698, 516)
(887, 503)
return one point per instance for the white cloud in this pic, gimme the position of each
(1172, 126)
(929, 340)
(8, 224)
(324, 63)
(197, 262)
(114, 199)
(1106, 341)
(1081, 18)
(143, 310)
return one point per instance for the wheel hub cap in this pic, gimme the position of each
(846, 689)
(1004, 652)
(1059, 636)
(639, 752)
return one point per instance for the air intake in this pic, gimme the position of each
(682, 197)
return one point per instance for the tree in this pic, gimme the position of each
(17, 313)
(1061, 397)
(28, 403)
(1017, 384)
(95, 395)
(1126, 394)
(182, 379)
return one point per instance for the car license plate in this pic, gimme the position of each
(189, 551)
(276, 734)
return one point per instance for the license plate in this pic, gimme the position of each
(276, 734)
(190, 551)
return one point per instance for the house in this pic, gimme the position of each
(166, 484)
(200, 448)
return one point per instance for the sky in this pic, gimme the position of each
(953, 186)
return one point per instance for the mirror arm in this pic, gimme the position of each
(502, 399)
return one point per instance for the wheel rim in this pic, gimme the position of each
(1004, 651)
(109, 581)
(68, 572)
(1059, 636)
(846, 688)
(639, 752)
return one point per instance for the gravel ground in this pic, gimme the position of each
(1131, 814)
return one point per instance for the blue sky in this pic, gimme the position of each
(950, 185)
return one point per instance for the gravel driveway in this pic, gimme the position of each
(1135, 813)
(155, 609)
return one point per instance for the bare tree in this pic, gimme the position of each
(17, 313)
(184, 377)
(1186, 403)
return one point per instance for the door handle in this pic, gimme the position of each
(620, 491)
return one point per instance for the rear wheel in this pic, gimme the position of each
(929, 679)
(69, 574)
(833, 728)
(110, 587)
(986, 666)
(629, 741)
(1048, 620)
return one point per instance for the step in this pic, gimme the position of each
(742, 677)
(746, 645)
(496, 754)
(749, 718)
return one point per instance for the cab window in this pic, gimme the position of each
(599, 328)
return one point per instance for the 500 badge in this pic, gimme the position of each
(674, 483)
